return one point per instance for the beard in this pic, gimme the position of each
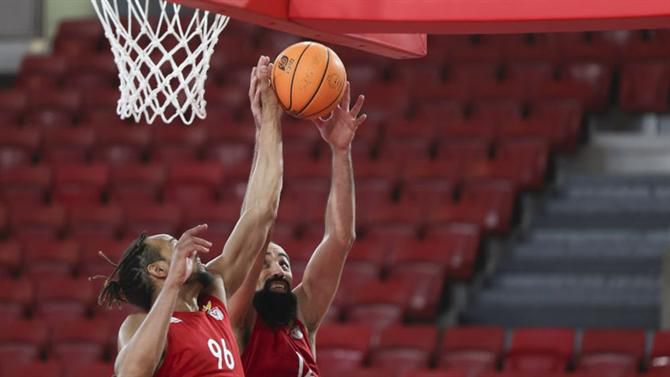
(202, 276)
(277, 309)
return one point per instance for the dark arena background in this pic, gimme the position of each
(512, 185)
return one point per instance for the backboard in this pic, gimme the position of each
(273, 14)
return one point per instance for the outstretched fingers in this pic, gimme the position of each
(357, 106)
(346, 99)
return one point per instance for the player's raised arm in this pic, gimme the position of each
(259, 209)
(143, 337)
(322, 274)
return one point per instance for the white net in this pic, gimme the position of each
(163, 53)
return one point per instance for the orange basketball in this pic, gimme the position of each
(309, 79)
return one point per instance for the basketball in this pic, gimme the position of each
(308, 79)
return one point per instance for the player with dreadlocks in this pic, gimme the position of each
(184, 329)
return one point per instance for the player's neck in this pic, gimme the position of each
(187, 301)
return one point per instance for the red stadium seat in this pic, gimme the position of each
(87, 72)
(191, 183)
(540, 350)
(487, 217)
(471, 48)
(496, 111)
(17, 147)
(11, 258)
(406, 149)
(308, 169)
(376, 169)
(419, 260)
(53, 108)
(404, 347)
(92, 263)
(342, 347)
(471, 349)
(384, 213)
(374, 189)
(647, 45)
(564, 117)
(440, 91)
(522, 173)
(4, 220)
(78, 183)
(152, 218)
(473, 73)
(220, 219)
(77, 37)
(439, 111)
(414, 129)
(611, 353)
(177, 143)
(596, 78)
(307, 190)
(296, 132)
(38, 222)
(380, 304)
(461, 242)
(13, 103)
(531, 149)
(660, 351)
(120, 143)
(530, 75)
(60, 299)
(89, 369)
(428, 193)
(412, 170)
(591, 46)
(41, 71)
(497, 196)
(384, 100)
(80, 340)
(360, 372)
(22, 341)
(464, 149)
(16, 296)
(469, 128)
(100, 107)
(68, 145)
(37, 368)
(134, 183)
(95, 220)
(51, 258)
(228, 153)
(645, 86)
(433, 373)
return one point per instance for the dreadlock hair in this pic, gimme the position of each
(130, 282)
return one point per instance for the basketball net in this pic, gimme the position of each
(163, 60)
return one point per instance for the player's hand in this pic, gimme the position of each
(264, 104)
(339, 129)
(183, 256)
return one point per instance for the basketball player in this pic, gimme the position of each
(277, 325)
(184, 328)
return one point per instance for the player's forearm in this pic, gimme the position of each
(340, 211)
(257, 219)
(254, 160)
(142, 355)
(265, 182)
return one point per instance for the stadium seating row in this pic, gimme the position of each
(359, 350)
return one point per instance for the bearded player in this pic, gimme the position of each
(184, 329)
(277, 325)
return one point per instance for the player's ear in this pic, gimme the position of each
(158, 269)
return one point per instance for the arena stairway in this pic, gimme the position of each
(592, 258)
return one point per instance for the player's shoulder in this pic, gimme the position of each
(132, 323)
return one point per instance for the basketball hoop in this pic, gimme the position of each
(163, 59)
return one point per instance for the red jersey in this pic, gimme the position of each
(201, 344)
(282, 352)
